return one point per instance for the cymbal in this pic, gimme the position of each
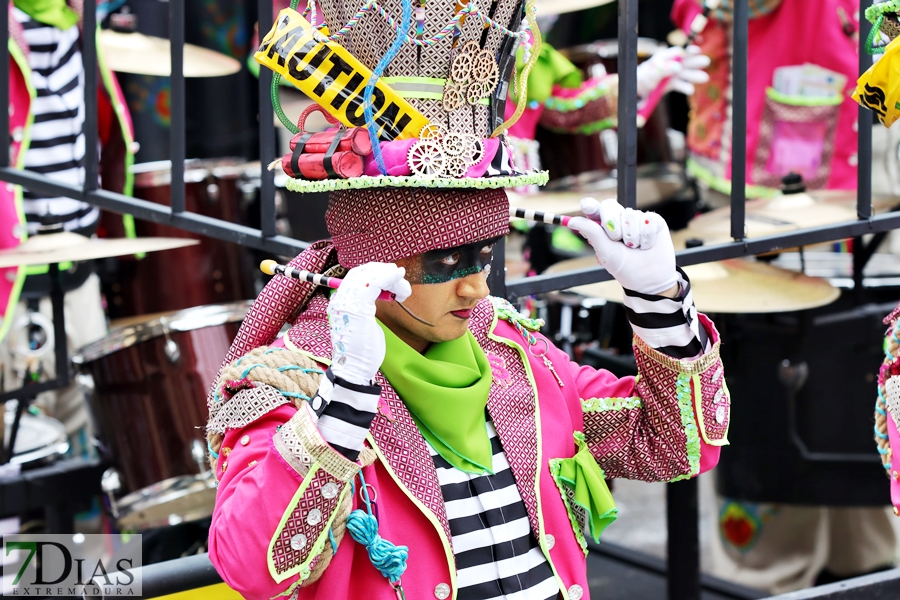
(147, 55)
(71, 247)
(728, 286)
(767, 216)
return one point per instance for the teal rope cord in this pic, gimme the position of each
(879, 434)
(373, 79)
(299, 368)
(882, 451)
(389, 559)
(334, 546)
(215, 455)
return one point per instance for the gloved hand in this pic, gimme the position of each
(684, 66)
(356, 339)
(634, 246)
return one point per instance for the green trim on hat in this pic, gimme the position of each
(304, 186)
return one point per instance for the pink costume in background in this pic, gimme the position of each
(788, 35)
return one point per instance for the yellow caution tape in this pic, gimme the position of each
(334, 78)
(211, 592)
(878, 89)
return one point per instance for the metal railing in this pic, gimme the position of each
(684, 575)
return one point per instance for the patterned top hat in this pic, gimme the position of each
(437, 74)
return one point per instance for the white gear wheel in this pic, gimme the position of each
(461, 69)
(478, 90)
(426, 159)
(454, 144)
(433, 131)
(454, 97)
(454, 167)
(474, 151)
(484, 67)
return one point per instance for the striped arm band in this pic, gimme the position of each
(347, 414)
(669, 325)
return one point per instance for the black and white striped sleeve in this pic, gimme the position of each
(669, 325)
(346, 412)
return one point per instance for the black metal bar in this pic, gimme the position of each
(864, 128)
(10, 450)
(859, 264)
(497, 277)
(4, 86)
(683, 542)
(879, 586)
(89, 58)
(266, 133)
(739, 119)
(692, 256)
(61, 346)
(177, 108)
(150, 211)
(174, 576)
(626, 172)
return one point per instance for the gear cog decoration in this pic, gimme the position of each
(473, 76)
(439, 153)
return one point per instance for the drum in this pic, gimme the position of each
(211, 272)
(151, 375)
(570, 154)
(39, 440)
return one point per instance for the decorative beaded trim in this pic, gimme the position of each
(687, 367)
(607, 404)
(508, 312)
(686, 408)
(579, 101)
(576, 513)
(365, 182)
(246, 406)
(301, 436)
(589, 128)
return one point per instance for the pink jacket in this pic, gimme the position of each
(779, 130)
(280, 484)
(116, 137)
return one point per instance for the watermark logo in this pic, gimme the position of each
(39, 566)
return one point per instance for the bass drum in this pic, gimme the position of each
(151, 375)
(212, 272)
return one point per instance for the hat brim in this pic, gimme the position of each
(365, 182)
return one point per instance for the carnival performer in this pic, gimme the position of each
(410, 435)
(46, 120)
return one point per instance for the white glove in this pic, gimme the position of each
(634, 246)
(684, 66)
(357, 341)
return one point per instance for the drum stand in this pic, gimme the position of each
(29, 391)
(57, 486)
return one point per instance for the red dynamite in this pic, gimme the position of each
(353, 140)
(312, 166)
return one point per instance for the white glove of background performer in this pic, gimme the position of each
(356, 339)
(634, 246)
(684, 66)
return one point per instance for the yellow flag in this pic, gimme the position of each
(334, 78)
(878, 89)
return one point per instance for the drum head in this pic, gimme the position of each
(38, 438)
(135, 330)
(169, 502)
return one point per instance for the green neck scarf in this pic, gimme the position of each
(446, 391)
(50, 12)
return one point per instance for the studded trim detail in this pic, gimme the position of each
(301, 444)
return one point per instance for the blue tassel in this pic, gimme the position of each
(389, 559)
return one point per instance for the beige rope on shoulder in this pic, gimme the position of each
(271, 370)
(272, 366)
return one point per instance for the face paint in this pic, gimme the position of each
(441, 266)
